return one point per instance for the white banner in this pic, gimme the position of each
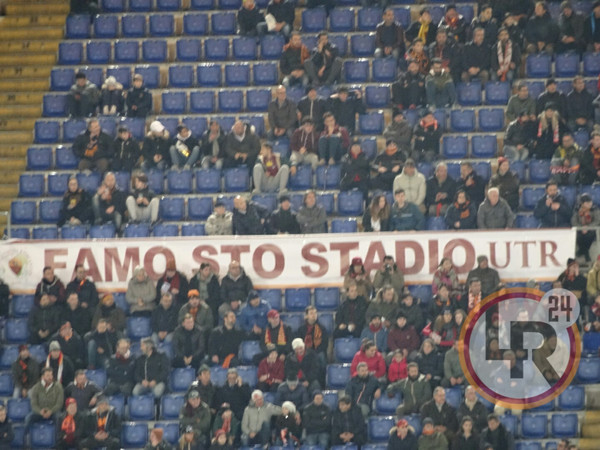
(292, 261)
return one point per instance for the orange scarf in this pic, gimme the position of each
(68, 426)
(281, 340)
(102, 423)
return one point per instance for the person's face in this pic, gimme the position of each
(231, 378)
(461, 198)
(230, 319)
(447, 317)
(141, 276)
(355, 149)
(493, 424)
(81, 82)
(239, 204)
(470, 395)
(272, 357)
(441, 39)
(258, 400)
(124, 135)
(578, 84)
(443, 292)
(281, 93)
(66, 330)
(447, 264)
(493, 196)
(188, 324)
(194, 302)
(311, 316)
(467, 426)
(308, 127)
(219, 211)
(408, 301)
(549, 113)
(503, 36)
(392, 147)
(561, 445)
(185, 132)
(122, 347)
(567, 141)
(323, 39)
(388, 295)
(166, 301)
(72, 301)
(312, 94)
(425, 17)
(137, 83)
(254, 302)
(48, 375)
(238, 128)
(400, 198)
(234, 268)
(249, 4)
(352, 291)
(418, 46)
(427, 348)
(440, 396)
(274, 321)
(476, 287)
(401, 321)
(381, 203)
(2, 414)
(194, 402)
(80, 379)
(376, 322)
(139, 184)
(465, 171)
(296, 40)
(286, 205)
(478, 37)
(343, 406)
(388, 16)
(539, 9)
(363, 371)
(551, 88)
(486, 14)
(370, 352)
(523, 316)
(504, 167)
(451, 13)
(413, 67)
(596, 141)
(310, 200)
(318, 400)
(441, 172)
(413, 371)
(552, 190)
(222, 439)
(80, 273)
(329, 122)
(567, 11)
(494, 345)
(95, 128)
(73, 185)
(72, 409)
(524, 92)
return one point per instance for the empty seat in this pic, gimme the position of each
(491, 119)
(293, 320)
(350, 203)
(371, 123)
(42, 434)
(258, 99)
(368, 18)
(462, 120)
(244, 48)
(231, 100)
(165, 230)
(591, 340)
(162, 25)
(236, 180)
(73, 128)
(31, 185)
(216, 49)
(436, 223)
(174, 102)
(302, 179)
(168, 5)
(237, 74)
(61, 79)
(102, 231)
(484, 146)
(591, 64)
(126, 51)
(154, 50)
(402, 15)
(589, 370)
(199, 208)
(140, 5)
(78, 26)
(89, 181)
(138, 327)
(22, 304)
(22, 211)
(297, 299)
(172, 208)
(328, 177)
(10, 353)
(384, 70)
(17, 409)
(113, 5)
(70, 53)
(534, 426)
(134, 434)
(572, 398)
(379, 428)
(341, 20)
(377, 96)
(57, 183)
(326, 200)
(454, 147)
(497, 92)
(133, 25)
(267, 201)
(6, 384)
(341, 42)
(193, 229)
(208, 75)
(223, 23)
(123, 76)
(539, 171)
(530, 197)
(510, 422)
(564, 425)
(271, 46)
(248, 350)
(195, 24)
(188, 50)
(566, 65)
(97, 376)
(16, 331)
(314, 20)
(248, 375)
(136, 127)
(170, 405)
(73, 232)
(47, 233)
(344, 349)
(197, 125)
(46, 131)
(50, 210)
(538, 65)
(327, 299)
(362, 45)
(229, 4)
(181, 379)
(181, 76)
(208, 180)
(98, 52)
(338, 375)
(469, 94)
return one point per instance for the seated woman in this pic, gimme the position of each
(357, 273)
(76, 206)
(446, 276)
(287, 429)
(377, 215)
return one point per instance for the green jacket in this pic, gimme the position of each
(51, 398)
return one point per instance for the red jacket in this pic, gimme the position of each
(376, 364)
(406, 339)
(275, 371)
(397, 370)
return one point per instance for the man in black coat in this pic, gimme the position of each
(109, 204)
(248, 18)
(43, 321)
(164, 319)
(409, 91)
(348, 424)
(283, 220)
(242, 146)
(303, 363)
(207, 285)
(552, 210)
(103, 428)
(71, 345)
(471, 183)
(316, 421)
(552, 95)
(473, 408)
(351, 314)
(188, 344)
(139, 99)
(497, 435)
(363, 389)
(127, 151)
(476, 58)
(85, 288)
(83, 391)
(235, 285)
(51, 285)
(248, 217)
(313, 106)
(442, 414)
(235, 392)
(224, 343)
(151, 371)
(345, 105)
(580, 109)
(94, 148)
(120, 371)
(388, 164)
(440, 191)
(276, 335)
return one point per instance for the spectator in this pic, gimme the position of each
(333, 141)
(471, 183)
(494, 212)
(174, 282)
(208, 287)
(388, 164)
(369, 355)
(25, 374)
(389, 37)
(423, 28)
(402, 436)
(375, 331)
(345, 105)
(316, 421)
(442, 414)
(472, 297)
(248, 217)
(552, 95)
(219, 442)
(446, 330)
(71, 344)
(120, 370)
(571, 30)
(283, 220)
(276, 335)
(188, 343)
(164, 319)
(585, 217)
(565, 161)
(430, 363)
(453, 373)
(487, 23)
(552, 210)
(358, 275)
(250, 20)
(507, 183)
(109, 311)
(76, 207)
(203, 385)
(292, 391)
(304, 144)
(253, 317)
(505, 57)
(520, 103)
(109, 206)
(227, 424)
(476, 58)
(455, 24)
(489, 278)
(447, 51)
(46, 399)
(5, 297)
(212, 146)
(440, 191)
(573, 281)
(411, 308)
(101, 344)
(224, 343)
(355, 170)
(512, 23)
(496, 434)
(141, 293)
(291, 63)
(350, 316)
(43, 320)
(82, 391)
(520, 137)
(431, 438)
(473, 408)
(104, 427)
(195, 413)
(311, 106)
(303, 363)
(282, 17)
(111, 97)
(82, 98)
(312, 217)
(377, 215)
(385, 304)
(417, 53)
(389, 273)
(155, 148)
(6, 429)
(256, 423)
(427, 135)
(220, 222)
(415, 390)
(151, 370)
(142, 205)
(462, 214)
(348, 425)
(235, 285)
(315, 336)
(363, 388)
(541, 31)
(242, 146)
(397, 368)
(156, 441)
(439, 86)
(282, 115)
(590, 161)
(93, 147)
(592, 29)
(324, 66)
(403, 336)
(405, 216)
(185, 149)
(287, 427)
(84, 288)
(580, 110)
(271, 372)
(399, 131)
(138, 98)
(269, 174)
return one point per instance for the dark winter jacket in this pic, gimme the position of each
(352, 311)
(223, 342)
(102, 147)
(408, 443)
(127, 154)
(541, 29)
(465, 214)
(550, 218)
(120, 370)
(250, 222)
(164, 319)
(282, 221)
(247, 19)
(250, 145)
(235, 289)
(82, 207)
(362, 390)
(188, 343)
(154, 367)
(309, 366)
(43, 318)
(345, 112)
(316, 419)
(178, 279)
(142, 99)
(409, 91)
(237, 397)
(154, 145)
(352, 421)
(508, 185)
(82, 395)
(355, 169)
(409, 217)
(427, 138)
(579, 105)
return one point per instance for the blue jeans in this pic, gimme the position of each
(321, 439)
(331, 147)
(261, 438)
(96, 359)
(178, 160)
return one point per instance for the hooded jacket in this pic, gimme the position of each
(220, 225)
(250, 222)
(407, 217)
(142, 98)
(250, 316)
(127, 154)
(400, 133)
(282, 221)
(154, 367)
(103, 147)
(355, 169)
(199, 418)
(112, 97)
(156, 145)
(81, 209)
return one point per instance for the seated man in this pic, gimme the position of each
(25, 372)
(283, 220)
(409, 91)
(440, 191)
(427, 135)
(185, 148)
(71, 344)
(291, 63)
(312, 106)
(83, 391)
(405, 215)
(151, 370)
(138, 99)
(242, 146)
(552, 210)
(120, 370)
(104, 427)
(580, 108)
(442, 414)
(101, 344)
(519, 137)
(188, 343)
(164, 319)
(399, 131)
(142, 205)
(46, 399)
(83, 97)
(269, 174)
(212, 146)
(220, 221)
(345, 105)
(325, 66)
(282, 115)
(250, 19)
(282, 17)
(363, 389)
(155, 148)
(494, 212)
(304, 145)
(389, 37)
(224, 342)
(355, 170)
(476, 58)
(564, 165)
(256, 423)
(439, 86)
(422, 27)
(248, 217)
(541, 31)
(333, 142)
(348, 425)
(388, 164)
(506, 58)
(109, 203)
(94, 148)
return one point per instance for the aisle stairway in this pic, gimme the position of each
(590, 432)
(29, 37)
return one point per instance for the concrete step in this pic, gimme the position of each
(17, 124)
(19, 34)
(34, 8)
(30, 84)
(21, 98)
(35, 20)
(9, 191)
(13, 150)
(25, 111)
(588, 444)
(29, 47)
(17, 137)
(5, 204)
(13, 163)
(21, 72)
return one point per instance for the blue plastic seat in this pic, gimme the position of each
(491, 119)
(314, 20)
(193, 229)
(591, 64)
(379, 428)
(61, 79)
(181, 379)
(528, 445)
(341, 42)
(199, 208)
(272, 296)
(483, 169)
(327, 201)
(78, 26)
(133, 25)
(170, 405)
(588, 371)
(168, 5)
(31, 185)
(179, 181)
(46, 233)
(19, 233)
(244, 48)
(46, 131)
(216, 49)
(293, 320)
(98, 52)
(362, 45)
(338, 375)
(230, 100)
(9, 355)
(70, 53)
(195, 24)
(22, 304)
(113, 5)
(564, 425)
(341, 20)
(207, 181)
(101, 231)
(118, 403)
(162, 25)
(368, 18)
(258, 99)
(510, 422)
(534, 426)
(371, 123)
(97, 376)
(218, 375)
(264, 74)
(73, 232)
(126, 51)
(328, 177)
(402, 15)
(271, 46)
(350, 203)
(73, 128)
(484, 146)
(237, 74)
(236, 180)
(181, 76)
(209, 75)
(330, 398)
(123, 75)
(469, 94)
(226, 122)
(248, 375)
(154, 50)
(454, 397)
(172, 208)
(174, 102)
(572, 398)
(591, 340)
(454, 147)
(43, 434)
(134, 434)
(268, 201)
(566, 65)
(50, 210)
(188, 50)
(436, 224)
(384, 70)
(327, 299)
(297, 299)
(462, 120)
(89, 181)
(539, 171)
(387, 405)
(16, 331)
(530, 197)
(22, 211)
(196, 124)
(18, 409)
(497, 92)
(302, 180)
(344, 349)
(138, 327)
(165, 230)
(140, 5)
(538, 65)
(377, 96)
(223, 23)
(6, 384)
(248, 350)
